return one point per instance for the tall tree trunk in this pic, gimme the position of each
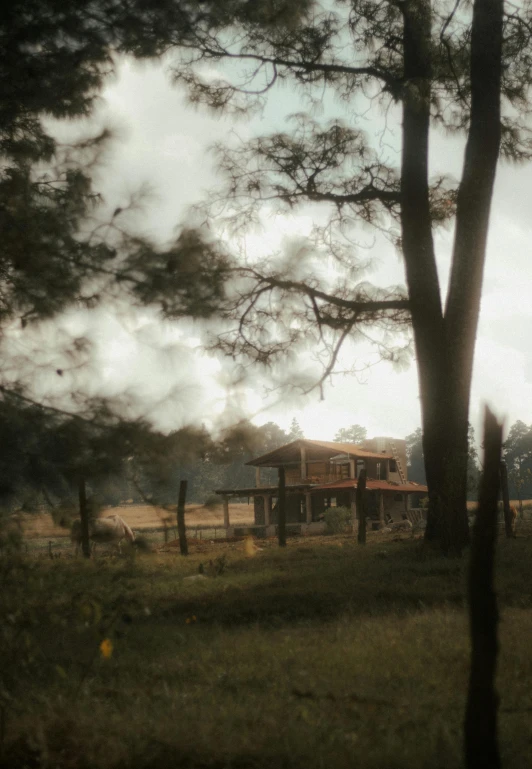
(445, 343)
(84, 517)
(181, 528)
(420, 261)
(446, 461)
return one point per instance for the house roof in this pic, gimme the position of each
(290, 452)
(372, 485)
(410, 487)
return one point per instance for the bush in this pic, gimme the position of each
(337, 519)
(212, 502)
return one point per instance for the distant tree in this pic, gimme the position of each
(353, 434)
(295, 430)
(517, 453)
(270, 436)
(223, 463)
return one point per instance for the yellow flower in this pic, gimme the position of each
(250, 547)
(106, 648)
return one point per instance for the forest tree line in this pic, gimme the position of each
(214, 466)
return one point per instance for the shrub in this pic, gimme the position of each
(212, 502)
(337, 519)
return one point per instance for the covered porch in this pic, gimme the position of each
(306, 504)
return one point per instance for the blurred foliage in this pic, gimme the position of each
(63, 248)
(337, 519)
(46, 454)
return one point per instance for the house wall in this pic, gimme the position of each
(317, 472)
(380, 445)
(295, 509)
(394, 507)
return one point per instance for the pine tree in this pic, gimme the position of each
(60, 249)
(353, 434)
(467, 70)
(295, 430)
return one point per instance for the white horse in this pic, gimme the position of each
(112, 529)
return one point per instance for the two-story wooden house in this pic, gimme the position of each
(321, 474)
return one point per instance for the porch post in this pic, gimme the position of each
(257, 477)
(381, 510)
(352, 468)
(267, 509)
(405, 498)
(303, 463)
(354, 510)
(225, 503)
(308, 507)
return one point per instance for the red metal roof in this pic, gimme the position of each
(409, 487)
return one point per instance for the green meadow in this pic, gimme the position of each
(324, 654)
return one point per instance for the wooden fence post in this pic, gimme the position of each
(480, 726)
(181, 530)
(508, 523)
(361, 507)
(84, 517)
(281, 504)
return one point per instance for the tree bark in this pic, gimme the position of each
(84, 518)
(281, 504)
(480, 727)
(445, 343)
(181, 528)
(361, 507)
(420, 261)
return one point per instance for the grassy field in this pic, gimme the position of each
(39, 529)
(321, 655)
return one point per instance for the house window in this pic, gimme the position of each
(393, 466)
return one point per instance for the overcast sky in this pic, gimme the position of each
(163, 142)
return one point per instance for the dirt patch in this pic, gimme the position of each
(141, 517)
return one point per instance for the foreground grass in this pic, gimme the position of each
(322, 655)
